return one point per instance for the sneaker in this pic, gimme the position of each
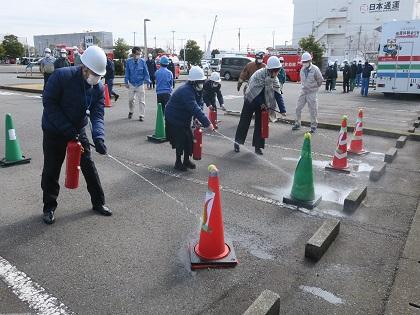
(296, 127)
(102, 209)
(180, 167)
(313, 129)
(189, 164)
(130, 115)
(236, 147)
(116, 97)
(258, 151)
(48, 217)
(141, 118)
(223, 108)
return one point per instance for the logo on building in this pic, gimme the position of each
(380, 6)
(407, 34)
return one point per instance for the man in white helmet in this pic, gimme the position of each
(72, 97)
(62, 61)
(212, 90)
(311, 80)
(184, 105)
(263, 92)
(46, 66)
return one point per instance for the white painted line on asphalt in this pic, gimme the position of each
(30, 292)
(327, 296)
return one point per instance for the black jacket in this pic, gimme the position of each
(110, 70)
(353, 71)
(151, 66)
(171, 67)
(329, 73)
(367, 69)
(346, 72)
(210, 92)
(359, 68)
(61, 63)
(335, 73)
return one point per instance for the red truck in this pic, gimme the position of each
(291, 65)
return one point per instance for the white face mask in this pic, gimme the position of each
(93, 79)
(199, 86)
(307, 64)
(259, 60)
(137, 57)
(64, 55)
(215, 84)
(47, 54)
(76, 52)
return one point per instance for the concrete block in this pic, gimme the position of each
(268, 303)
(416, 124)
(377, 172)
(390, 155)
(401, 142)
(318, 244)
(411, 129)
(354, 199)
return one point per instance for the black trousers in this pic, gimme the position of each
(54, 148)
(163, 99)
(246, 116)
(346, 85)
(328, 85)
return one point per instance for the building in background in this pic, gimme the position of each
(81, 40)
(349, 29)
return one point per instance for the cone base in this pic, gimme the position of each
(5, 163)
(196, 158)
(153, 138)
(108, 106)
(302, 204)
(346, 170)
(363, 152)
(197, 262)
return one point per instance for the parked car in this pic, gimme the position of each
(215, 64)
(232, 67)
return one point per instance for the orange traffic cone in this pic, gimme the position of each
(356, 144)
(339, 162)
(212, 251)
(107, 97)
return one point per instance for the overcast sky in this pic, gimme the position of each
(189, 19)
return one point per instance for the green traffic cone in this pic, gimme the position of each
(160, 134)
(13, 151)
(303, 191)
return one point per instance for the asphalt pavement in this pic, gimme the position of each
(136, 261)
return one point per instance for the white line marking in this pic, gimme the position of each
(327, 296)
(30, 292)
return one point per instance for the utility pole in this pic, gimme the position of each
(313, 28)
(239, 38)
(134, 39)
(155, 41)
(145, 38)
(358, 41)
(274, 32)
(173, 41)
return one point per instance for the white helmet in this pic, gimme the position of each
(47, 50)
(345, 61)
(150, 55)
(75, 48)
(273, 63)
(95, 59)
(215, 77)
(196, 74)
(63, 51)
(331, 63)
(306, 57)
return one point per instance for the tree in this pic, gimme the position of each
(214, 52)
(120, 49)
(2, 52)
(310, 45)
(193, 53)
(13, 49)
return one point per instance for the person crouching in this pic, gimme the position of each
(185, 104)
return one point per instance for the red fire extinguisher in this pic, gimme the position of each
(74, 153)
(213, 117)
(198, 141)
(264, 124)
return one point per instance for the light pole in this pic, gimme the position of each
(183, 48)
(155, 41)
(173, 42)
(145, 38)
(134, 44)
(285, 43)
(274, 32)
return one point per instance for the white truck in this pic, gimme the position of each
(398, 68)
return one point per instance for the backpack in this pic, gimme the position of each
(48, 65)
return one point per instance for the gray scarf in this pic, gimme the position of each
(261, 79)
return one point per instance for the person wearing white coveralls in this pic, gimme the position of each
(311, 80)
